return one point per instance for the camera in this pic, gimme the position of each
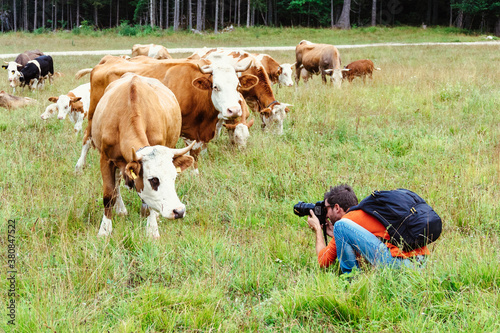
(319, 209)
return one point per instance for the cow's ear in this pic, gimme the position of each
(248, 81)
(133, 168)
(75, 99)
(4, 66)
(183, 162)
(53, 99)
(266, 111)
(202, 83)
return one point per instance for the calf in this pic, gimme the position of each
(35, 72)
(135, 122)
(238, 129)
(360, 68)
(13, 67)
(151, 50)
(75, 104)
(13, 102)
(278, 74)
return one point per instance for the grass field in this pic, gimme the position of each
(241, 260)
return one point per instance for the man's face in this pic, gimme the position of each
(333, 213)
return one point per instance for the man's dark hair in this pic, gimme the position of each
(343, 195)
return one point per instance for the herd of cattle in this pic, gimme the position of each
(138, 107)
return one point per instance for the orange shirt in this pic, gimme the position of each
(328, 255)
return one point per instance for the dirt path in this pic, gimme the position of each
(255, 49)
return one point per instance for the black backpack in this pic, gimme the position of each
(410, 221)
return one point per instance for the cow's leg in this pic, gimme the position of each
(144, 209)
(81, 161)
(297, 73)
(120, 208)
(108, 198)
(218, 127)
(152, 225)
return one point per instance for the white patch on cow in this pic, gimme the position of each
(157, 167)
(286, 75)
(153, 50)
(152, 225)
(275, 119)
(81, 161)
(50, 111)
(106, 227)
(225, 96)
(241, 135)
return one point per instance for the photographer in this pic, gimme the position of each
(356, 233)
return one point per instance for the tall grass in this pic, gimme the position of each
(241, 260)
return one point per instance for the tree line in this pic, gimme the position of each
(201, 15)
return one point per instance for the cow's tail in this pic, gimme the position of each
(82, 72)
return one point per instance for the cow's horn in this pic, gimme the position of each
(182, 151)
(244, 67)
(207, 69)
(134, 155)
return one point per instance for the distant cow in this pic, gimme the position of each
(36, 71)
(321, 59)
(134, 124)
(278, 74)
(238, 129)
(75, 104)
(13, 102)
(151, 50)
(13, 67)
(360, 68)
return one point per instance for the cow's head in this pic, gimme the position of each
(272, 117)
(49, 111)
(13, 73)
(153, 170)
(286, 76)
(336, 76)
(239, 133)
(224, 84)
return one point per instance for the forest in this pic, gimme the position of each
(216, 15)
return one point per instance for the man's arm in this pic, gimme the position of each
(314, 224)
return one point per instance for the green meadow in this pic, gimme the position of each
(241, 261)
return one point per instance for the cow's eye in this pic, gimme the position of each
(155, 183)
(216, 88)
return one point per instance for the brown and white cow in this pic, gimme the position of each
(321, 59)
(238, 129)
(260, 98)
(278, 74)
(360, 68)
(14, 67)
(10, 102)
(151, 50)
(206, 92)
(134, 124)
(75, 105)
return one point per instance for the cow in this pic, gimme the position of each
(238, 129)
(75, 104)
(278, 74)
(11, 102)
(13, 67)
(151, 50)
(36, 71)
(321, 59)
(360, 68)
(260, 98)
(205, 91)
(136, 124)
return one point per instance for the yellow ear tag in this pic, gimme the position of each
(178, 169)
(134, 176)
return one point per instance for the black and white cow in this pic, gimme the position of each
(13, 67)
(36, 71)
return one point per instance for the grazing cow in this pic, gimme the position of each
(13, 67)
(206, 92)
(35, 72)
(134, 124)
(151, 50)
(13, 102)
(260, 98)
(360, 68)
(238, 129)
(321, 59)
(278, 74)
(75, 103)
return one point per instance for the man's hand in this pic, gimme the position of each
(313, 222)
(329, 228)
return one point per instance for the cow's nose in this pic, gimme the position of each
(234, 111)
(60, 117)
(179, 212)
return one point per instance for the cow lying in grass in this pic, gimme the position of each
(13, 102)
